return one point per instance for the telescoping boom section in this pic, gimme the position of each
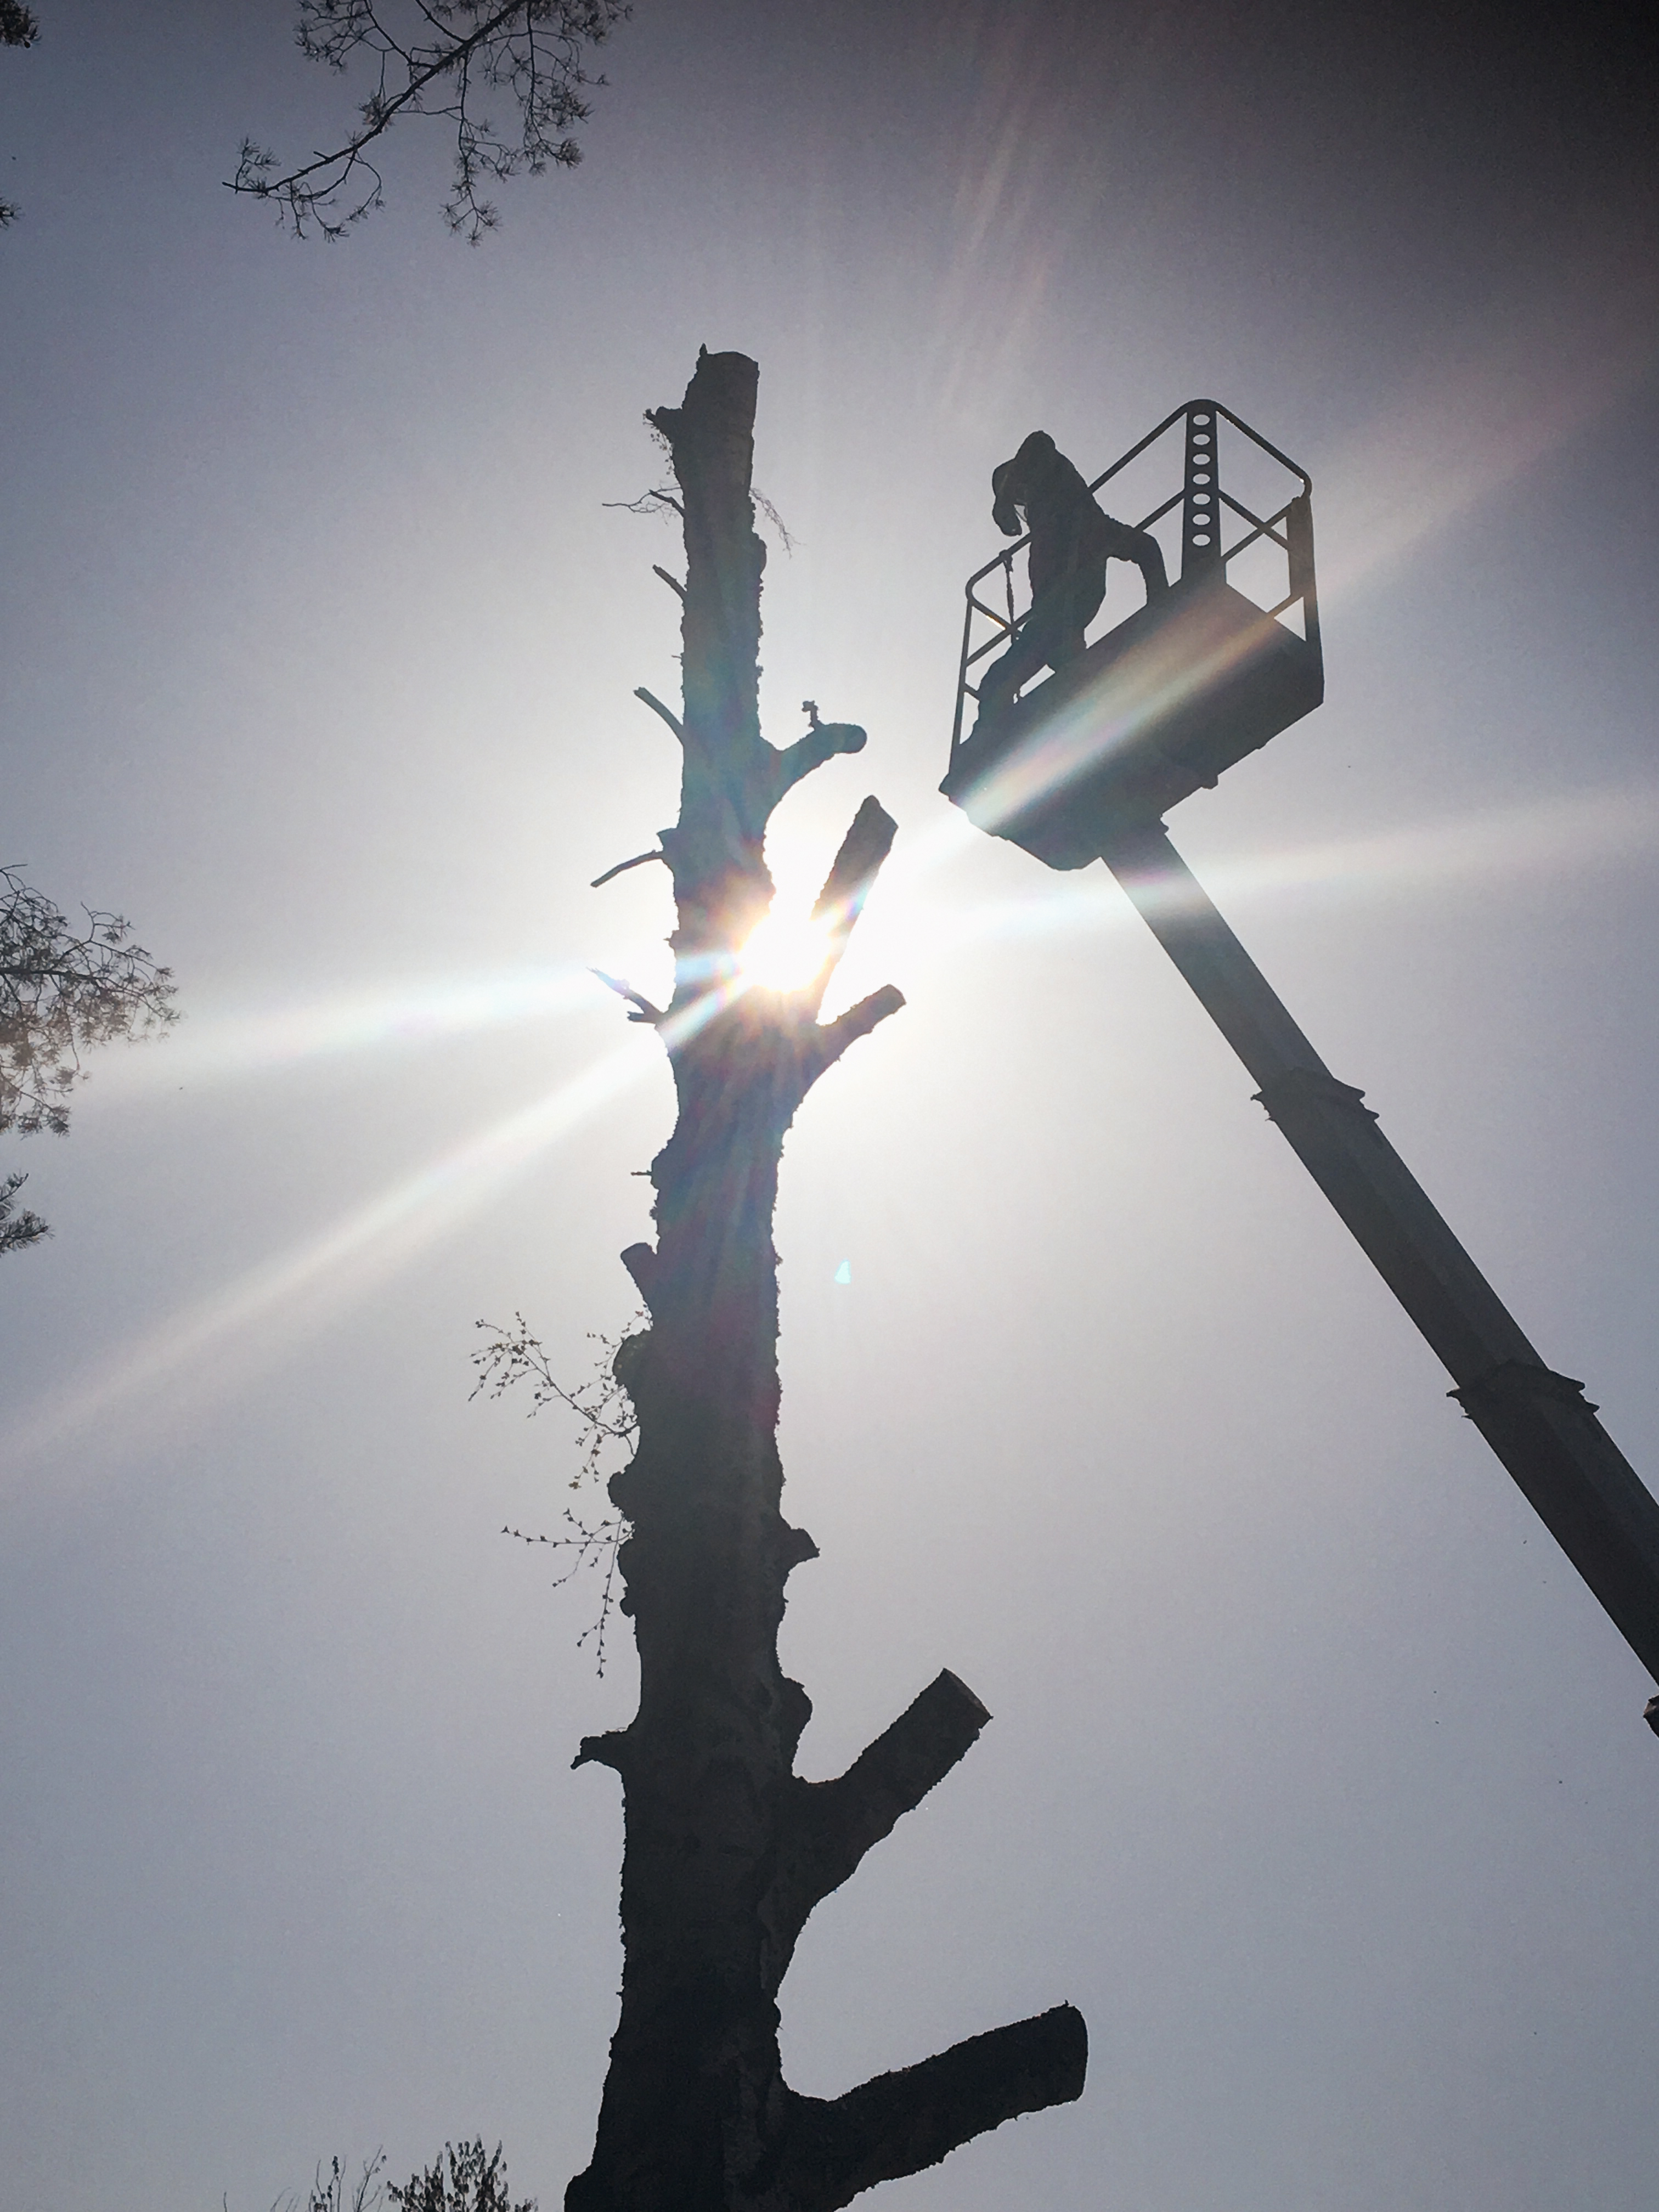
(1083, 766)
(1172, 692)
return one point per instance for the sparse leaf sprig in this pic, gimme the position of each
(440, 57)
(608, 1427)
(328, 2192)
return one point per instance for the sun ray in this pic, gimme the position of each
(229, 1046)
(239, 1327)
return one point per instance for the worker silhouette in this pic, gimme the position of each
(1072, 541)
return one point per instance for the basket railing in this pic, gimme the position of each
(1203, 502)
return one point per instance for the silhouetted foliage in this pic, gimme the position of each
(328, 2194)
(17, 1229)
(440, 57)
(18, 28)
(463, 2180)
(62, 991)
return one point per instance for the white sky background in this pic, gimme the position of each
(1316, 1779)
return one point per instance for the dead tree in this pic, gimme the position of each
(727, 1849)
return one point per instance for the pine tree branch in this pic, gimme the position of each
(657, 707)
(19, 1228)
(531, 49)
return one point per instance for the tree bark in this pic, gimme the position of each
(726, 1849)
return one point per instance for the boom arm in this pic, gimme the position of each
(1539, 1424)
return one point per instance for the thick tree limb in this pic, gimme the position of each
(848, 883)
(821, 743)
(898, 2123)
(832, 1824)
(856, 865)
(833, 1037)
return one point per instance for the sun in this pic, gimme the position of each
(786, 953)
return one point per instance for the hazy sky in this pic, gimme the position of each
(1316, 1779)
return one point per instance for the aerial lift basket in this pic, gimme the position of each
(1086, 765)
(1175, 692)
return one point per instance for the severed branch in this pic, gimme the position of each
(899, 2123)
(831, 1825)
(856, 865)
(823, 741)
(641, 1263)
(832, 1038)
(845, 888)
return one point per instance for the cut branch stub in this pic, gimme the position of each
(845, 888)
(863, 850)
(821, 743)
(901, 2122)
(830, 1826)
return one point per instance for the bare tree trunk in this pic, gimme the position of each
(727, 1849)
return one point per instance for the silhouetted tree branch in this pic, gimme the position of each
(463, 2180)
(18, 28)
(18, 1229)
(328, 2191)
(440, 57)
(62, 991)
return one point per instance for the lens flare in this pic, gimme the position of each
(786, 953)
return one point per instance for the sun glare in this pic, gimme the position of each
(786, 953)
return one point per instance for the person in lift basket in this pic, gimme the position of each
(1072, 541)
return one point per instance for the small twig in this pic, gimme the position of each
(672, 582)
(648, 502)
(657, 707)
(622, 866)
